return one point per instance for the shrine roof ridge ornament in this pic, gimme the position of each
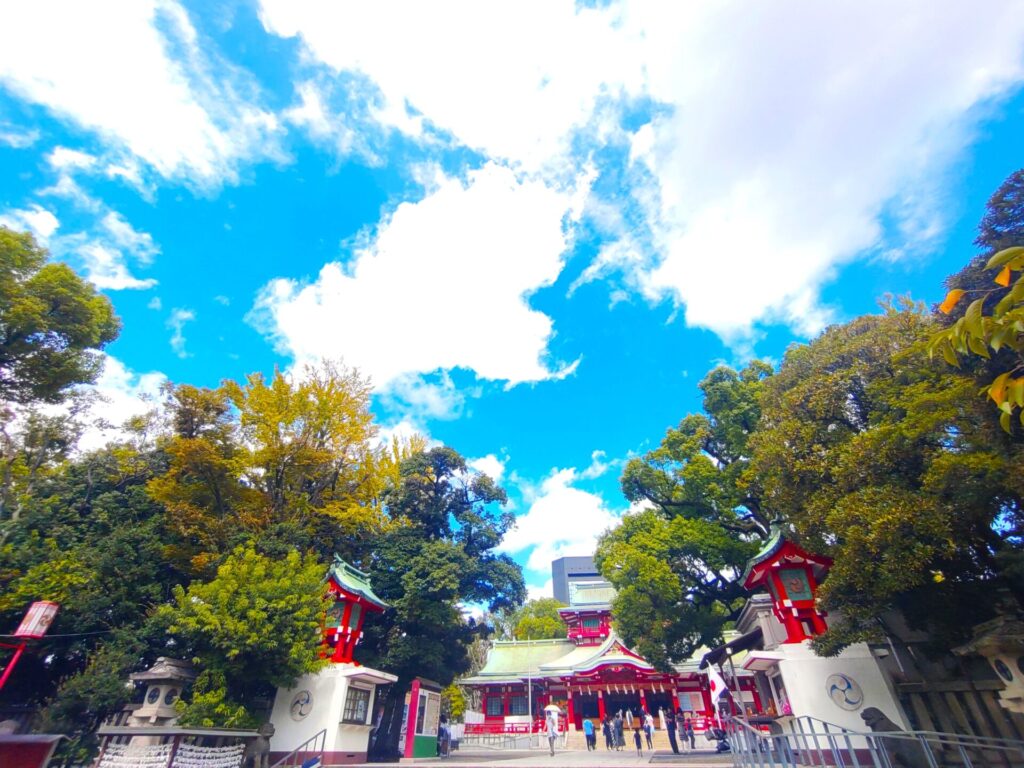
(775, 546)
(354, 581)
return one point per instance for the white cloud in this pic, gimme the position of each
(341, 130)
(224, 301)
(67, 188)
(176, 322)
(490, 465)
(795, 130)
(562, 520)
(124, 235)
(63, 158)
(36, 219)
(138, 74)
(502, 79)
(599, 465)
(444, 284)
(419, 399)
(122, 393)
(155, 303)
(784, 140)
(17, 138)
(538, 591)
(105, 267)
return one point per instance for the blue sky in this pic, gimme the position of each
(536, 226)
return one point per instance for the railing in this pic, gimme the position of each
(813, 742)
(309, 754)
(539, 725)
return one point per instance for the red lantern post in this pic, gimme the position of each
(37, 621)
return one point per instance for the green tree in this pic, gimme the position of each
(986, 334)
(884, 459)
(539, 620)
(979, 337)
(289, 463)
(674, 563)
(255, 626)
(436, 555)
(90, 538)
(53, 324)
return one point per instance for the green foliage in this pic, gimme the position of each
(53, 324)
(539, 620)
(209, 706)
(1000, 330)
(453, 702)
(883, 459)
(87, 697)
(437, 554)
(674, 562)
(89, 537)
(255, 625)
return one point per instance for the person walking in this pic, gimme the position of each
(670, 728)
(606, 728)
(620, 739)
(636, 740)
(588, 731)
(688, 733)
(649, 730)
(552, 731)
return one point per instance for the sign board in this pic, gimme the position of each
(37, 620)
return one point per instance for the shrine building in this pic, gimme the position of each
(590, 673)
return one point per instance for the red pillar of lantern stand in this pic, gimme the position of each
(34, 625)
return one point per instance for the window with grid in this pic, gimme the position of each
(517, 705)
(591, 623)
(495, 706)
(357, 702)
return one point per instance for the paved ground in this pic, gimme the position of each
(572, 759)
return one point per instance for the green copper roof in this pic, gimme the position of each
(508, 660)
(355, 581)
(775, 541)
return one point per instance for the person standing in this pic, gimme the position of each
(670, 727)
(620, 739)
(649, 730)
(636, 740)
(552, 731)
(606, 728)
(688, 732)
(588, 731)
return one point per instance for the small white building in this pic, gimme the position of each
(333, 709)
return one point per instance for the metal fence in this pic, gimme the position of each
(807, 741)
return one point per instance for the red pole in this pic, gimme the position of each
(10, 665)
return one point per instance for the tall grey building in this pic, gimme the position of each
(566, 570)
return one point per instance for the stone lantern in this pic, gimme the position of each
(1001, 642)
(164, 682)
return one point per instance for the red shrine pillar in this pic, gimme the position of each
(643, 701)
(571, 717)
(600, 706)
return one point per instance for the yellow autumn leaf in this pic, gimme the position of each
(1003, 278)
(997, 390)
(951, 300)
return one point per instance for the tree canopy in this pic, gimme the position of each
(206, 534)
(674, 562)
(53, 324)
(538, 619)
